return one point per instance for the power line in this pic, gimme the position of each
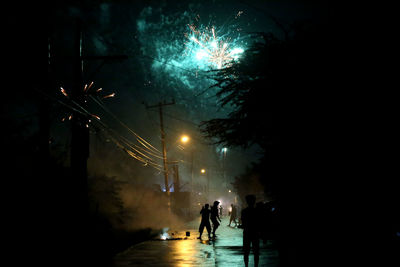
(122, 138)
(179, 119)
(141, 140)
(198, 138)
(149, 161)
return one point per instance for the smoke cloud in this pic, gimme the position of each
(148, 209)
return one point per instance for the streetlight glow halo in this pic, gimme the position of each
(184, 139)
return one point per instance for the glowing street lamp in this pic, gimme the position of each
(203, 171)
(185, 139)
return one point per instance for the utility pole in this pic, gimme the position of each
(177, 183)
(208, 186)
(191, 168)
(79, 129)
(192, 179)
(44, 107)
(164, 149)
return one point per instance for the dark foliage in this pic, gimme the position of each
(271, 91)
(261, 87)
(281, 93)
(247, 88)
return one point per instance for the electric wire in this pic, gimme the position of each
(139, 138)
(120, 143)
(126, 141)
(86, 113)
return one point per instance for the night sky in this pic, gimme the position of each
(152, 35)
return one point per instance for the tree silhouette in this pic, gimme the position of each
(273, 92)
(260, 86)
(280, 97)
(245, 87)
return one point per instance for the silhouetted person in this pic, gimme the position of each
(215, 217)
(233, 215)
(205, 221)
(220, 210)
(250, 227)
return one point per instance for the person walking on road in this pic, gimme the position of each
(233, 215)
(215, 219)
(205, 221)
(250, 225)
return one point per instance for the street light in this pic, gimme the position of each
(184, 139)
(203, 171)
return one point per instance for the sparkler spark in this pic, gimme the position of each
(86, 93)
(110, 95)
(95, 116)
(64, 92)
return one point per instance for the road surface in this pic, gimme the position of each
(180, 250)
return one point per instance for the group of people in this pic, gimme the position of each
(214, 214)
(252, 220)
(206, 215)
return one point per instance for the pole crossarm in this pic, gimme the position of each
(106, 58)
(160, 104)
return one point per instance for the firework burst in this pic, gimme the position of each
(208, 47)
(181, 48)
(86, 93)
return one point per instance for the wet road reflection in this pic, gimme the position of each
(225, 251)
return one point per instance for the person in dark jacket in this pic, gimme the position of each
(205, 221)
(215, 219)
(233, 215)
(251, 235)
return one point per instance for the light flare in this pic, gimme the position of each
(164, 235)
